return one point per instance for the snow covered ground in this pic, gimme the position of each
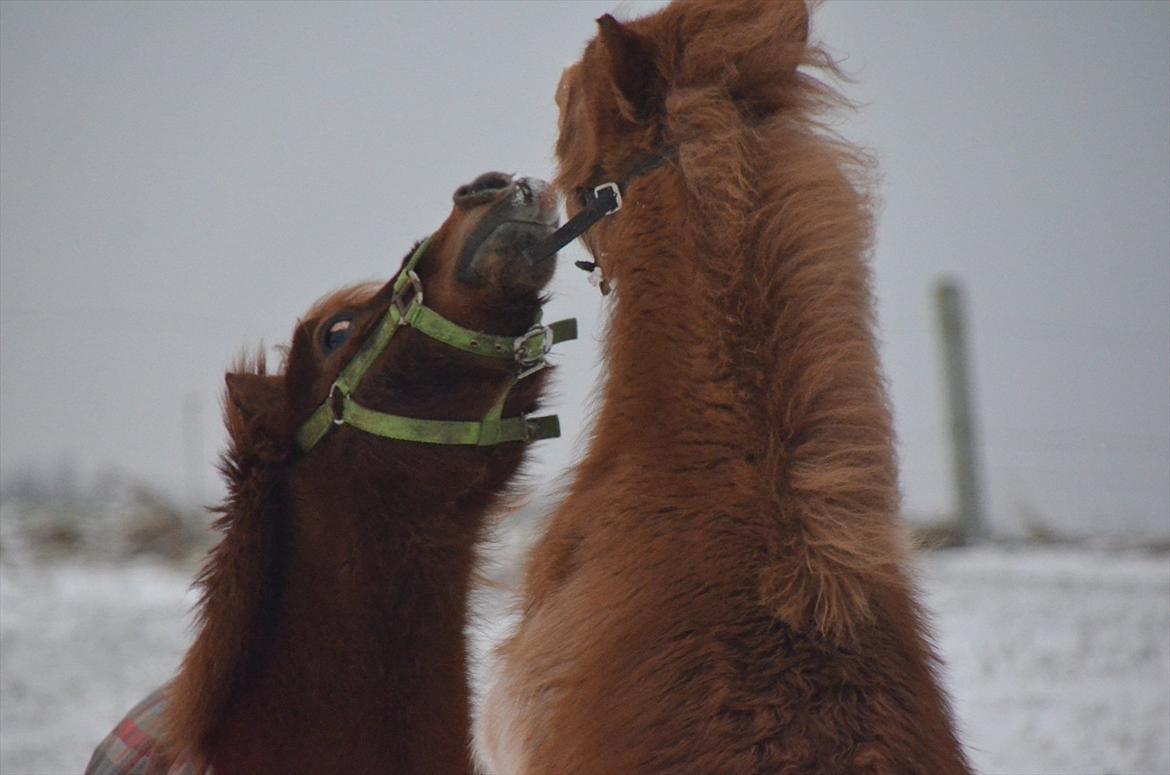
(1058, 659)
(79, 646)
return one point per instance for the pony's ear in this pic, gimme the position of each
(632, 68)
(256, 397)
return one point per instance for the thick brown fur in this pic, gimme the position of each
(723, 590)
(330, 630)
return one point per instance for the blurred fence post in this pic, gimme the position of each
(969, 516)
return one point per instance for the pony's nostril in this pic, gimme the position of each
(485, 185)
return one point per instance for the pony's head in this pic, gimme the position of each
(473, 273)
(684, 83)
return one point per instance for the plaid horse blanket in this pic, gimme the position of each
(135, 746)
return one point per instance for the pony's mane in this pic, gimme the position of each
(242, 576)
(787, 206)
(802, 293)
(793, 203)
(239, 577)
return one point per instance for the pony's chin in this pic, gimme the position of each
(500, 262)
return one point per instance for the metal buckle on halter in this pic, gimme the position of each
(532, 363)
(336, 399)
(416, 298)
(617, 195)
(523, 344)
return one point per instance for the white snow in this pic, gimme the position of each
(79, 646)
(1058, 659)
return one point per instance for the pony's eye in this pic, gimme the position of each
(336, 333)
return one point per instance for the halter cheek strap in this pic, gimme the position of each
(528, 351)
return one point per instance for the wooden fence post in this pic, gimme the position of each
(969, 517)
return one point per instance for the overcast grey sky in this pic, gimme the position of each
(178, 181)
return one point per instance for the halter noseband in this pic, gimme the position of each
(528, 351)
(597, 202)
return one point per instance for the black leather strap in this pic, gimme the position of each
(599, 201)
(599, 206)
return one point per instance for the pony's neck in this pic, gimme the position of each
(743, 367)
(367, 658)
(743, 312)
(387, 562)
(673, 375)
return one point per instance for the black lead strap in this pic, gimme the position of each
(599, 202)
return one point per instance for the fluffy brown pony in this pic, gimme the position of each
(331, 628)
(723, 588)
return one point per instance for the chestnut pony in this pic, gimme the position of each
(331, 628)
(723, 589)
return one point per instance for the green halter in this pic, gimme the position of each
(528, 351)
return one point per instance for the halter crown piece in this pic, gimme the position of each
(528, 351)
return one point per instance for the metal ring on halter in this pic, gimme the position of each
(617, 195)
(415, 298)
(335, 405)
(528, 372)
